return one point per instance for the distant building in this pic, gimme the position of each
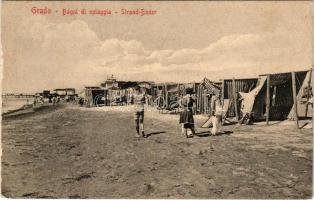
(92, 87)
(65, 91)
(123, 89)
(46, 93)
(145, 84)
(70, 91)
(60, 92)
(111, 82)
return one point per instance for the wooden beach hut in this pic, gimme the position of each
(95, 96)
(167, 95)
(279, 96)
(230, 90)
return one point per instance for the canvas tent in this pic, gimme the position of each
(205, 91)
(230, 94)
(304, 95)
(229, 89)
(273, 98)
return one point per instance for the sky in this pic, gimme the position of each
(183, 42)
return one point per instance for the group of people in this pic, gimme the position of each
(187, 119)
(186, 116)
(38, 100)
(41, 100)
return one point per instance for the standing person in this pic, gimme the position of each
(216, 108)
(50, 98)
(53, 100)
(42, 100)
(81, 101)
(35, 100)
(139, 99)
(186, 117)
(58, 99)
(160, 103)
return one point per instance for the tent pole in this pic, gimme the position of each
(110, 96)
(205, 103)
(222, 92)
(295, 99)
(268, 99)
(194, 91)
(197, 100)
(235, 99)
(308, 92)
(166, 96)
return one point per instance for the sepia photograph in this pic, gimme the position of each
(157, 99)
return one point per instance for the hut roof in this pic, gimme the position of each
(283, 78)
(128, 84)
(92, 87)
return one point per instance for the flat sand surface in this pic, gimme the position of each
(75, 152)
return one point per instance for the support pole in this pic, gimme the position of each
(267, 99)
(222, 92)
(235, 99)
(308, 92)
(204, 102)
(110, 98)
(197, 101)
(166, 96)
(295, 103)
(194, 91)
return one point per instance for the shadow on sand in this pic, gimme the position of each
(208, 133)
(155, 133)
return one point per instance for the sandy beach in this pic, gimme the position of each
(15, 104)
(75, 152)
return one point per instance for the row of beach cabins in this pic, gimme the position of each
(61, 92)
(269, 97)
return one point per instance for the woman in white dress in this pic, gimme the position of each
(217, 113)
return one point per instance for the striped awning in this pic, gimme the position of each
(211, 86)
